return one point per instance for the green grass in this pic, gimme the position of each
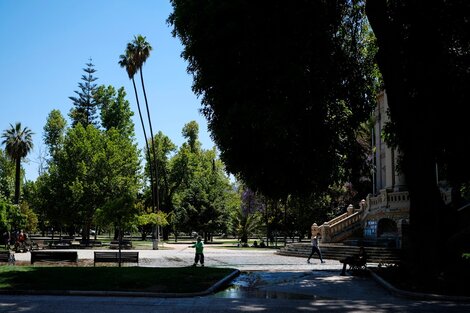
(164, 280)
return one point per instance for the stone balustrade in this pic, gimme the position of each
(338, 218)
(388, 200)
(345, 224)
(331, 231)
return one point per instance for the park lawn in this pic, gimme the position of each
(162, 280)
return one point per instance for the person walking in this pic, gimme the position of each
(199, 257)
(315, 248)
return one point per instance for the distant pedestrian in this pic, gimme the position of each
(199, 257)
(315, 248)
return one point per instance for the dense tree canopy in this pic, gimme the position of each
(424, 56)
(7, 176)
(284, 86)
(94, 170)
(115, 110)
(193, 187)
(54, 131)
(93, 177)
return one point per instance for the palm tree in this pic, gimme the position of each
(141, 48)
(141, 51)
(18, 143)
(127, 61)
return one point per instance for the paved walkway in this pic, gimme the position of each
(280, 284)
(243, 259)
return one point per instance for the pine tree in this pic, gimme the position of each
(85, 105)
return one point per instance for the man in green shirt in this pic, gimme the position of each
(199, 245)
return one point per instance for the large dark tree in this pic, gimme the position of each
(282, 86)
(424, 55)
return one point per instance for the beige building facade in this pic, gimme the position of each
(386, 213)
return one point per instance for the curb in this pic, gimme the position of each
(415, 295)
(223, 282)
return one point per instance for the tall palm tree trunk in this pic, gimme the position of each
(153, 141)
(146, 144)
(156, 231)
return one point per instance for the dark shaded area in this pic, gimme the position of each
(282, 87)
(181, 279)
(424, 56)
(454, 283)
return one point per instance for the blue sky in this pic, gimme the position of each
(45, 45)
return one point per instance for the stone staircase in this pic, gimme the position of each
(338, 251)
(341, 227)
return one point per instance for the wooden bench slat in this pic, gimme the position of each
(113, 257)
(5, 256)
(59, 256)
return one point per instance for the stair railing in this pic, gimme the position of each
(340, 226)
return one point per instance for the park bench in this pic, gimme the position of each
(113, 257)
(54, 256)
(90, 243)
(58, 243)
(6, 257)
(125, 244)
(355, 265)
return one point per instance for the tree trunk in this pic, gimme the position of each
(153, 144)
(146, 145)
(17, 180)
(400, 64)
(154, 184)
(166, 232)
(427, 234)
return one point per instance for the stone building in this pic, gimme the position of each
(386, 211)
(384, 214)
(382, 217)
